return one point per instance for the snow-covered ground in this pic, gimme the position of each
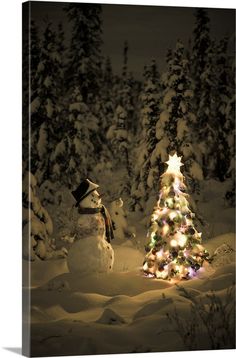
(123, 311)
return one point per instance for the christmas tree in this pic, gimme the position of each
(174, 250)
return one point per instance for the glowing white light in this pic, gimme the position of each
(192, 273)
(172, 215)
(182, 240)
(186, 253)
(150, 275)
(174, 164)
(176, 185)
(165, 229)
(159, 253)
(173, 243)
(164, 211)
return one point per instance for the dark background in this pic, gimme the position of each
(149, 30)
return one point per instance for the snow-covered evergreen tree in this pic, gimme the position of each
(103, 103)
(207, 117)
(44, 106)
(230, 131)
(126, 92)
(108, 75)
(174, 128)
(199, 59)
(107, 95)
(84, 64)
(120, 140)
(31, 52)
(224, 124)
(62, 58)
(74, 154)
(145, 179)
(126, 99)
(37, 225)
(210, 72)
(34, 54)
(203, 69)
(119, 136)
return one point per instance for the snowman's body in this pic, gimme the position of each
(91, 252)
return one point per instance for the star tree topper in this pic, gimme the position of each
(174, 164)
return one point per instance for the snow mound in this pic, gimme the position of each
(58, 285)
(39, 315)
(126, 258)
(192, 292)
(223, 255)
(110, 317)
(109, 284)
(225, 269)
(223, 282)
(154, 307)
(213, 244)
(43, 271)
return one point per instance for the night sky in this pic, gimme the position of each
(149, 30)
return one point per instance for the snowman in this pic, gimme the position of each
(92, 251)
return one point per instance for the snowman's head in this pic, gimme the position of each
(93, 200)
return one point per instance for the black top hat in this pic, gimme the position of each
(84, 189)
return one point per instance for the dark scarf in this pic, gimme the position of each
(106, 216)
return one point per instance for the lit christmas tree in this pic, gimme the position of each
(174, 249)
